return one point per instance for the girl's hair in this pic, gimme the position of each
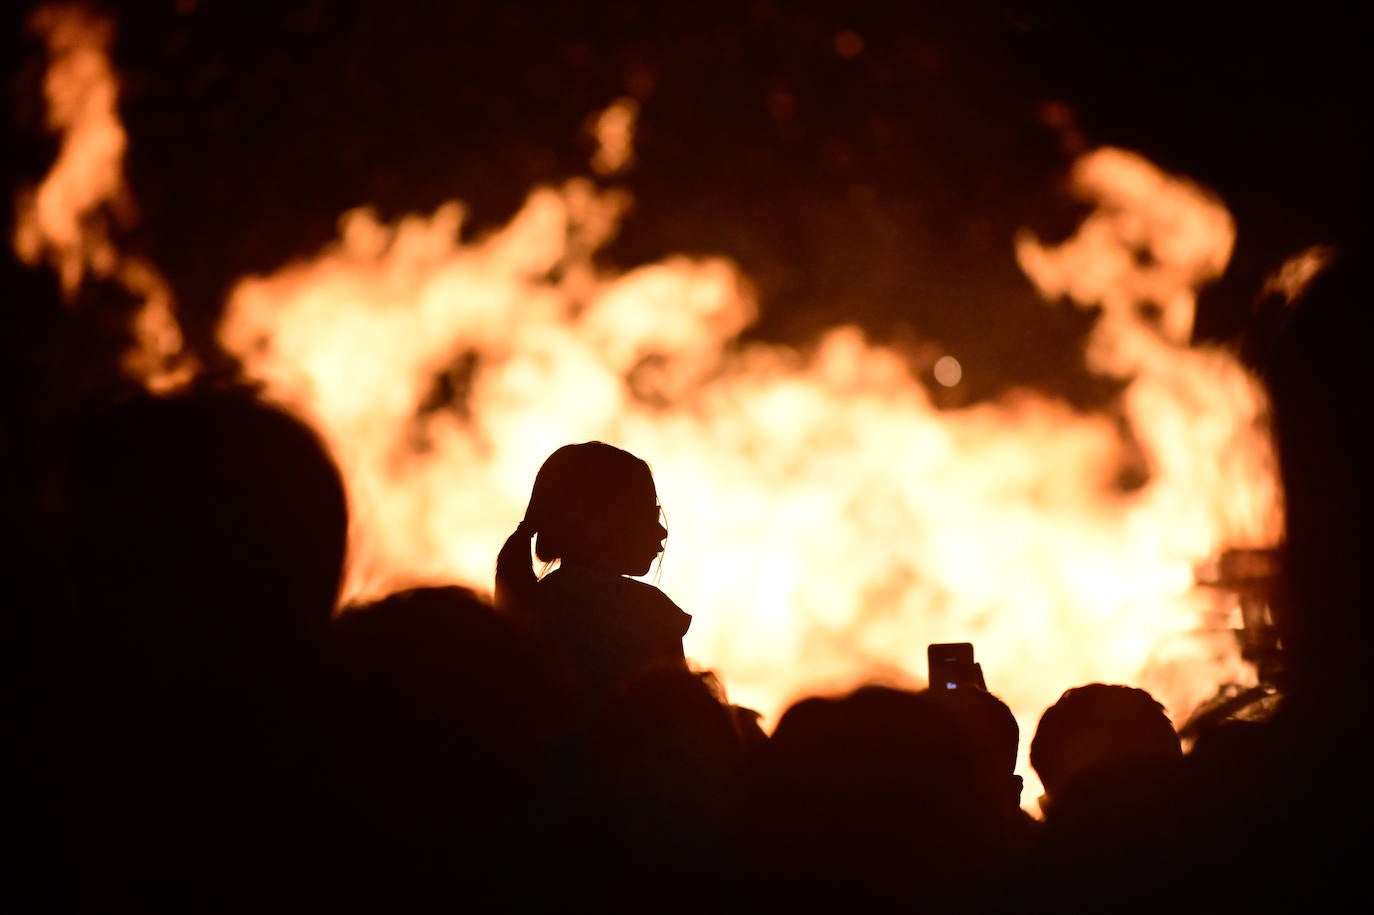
(582, 491)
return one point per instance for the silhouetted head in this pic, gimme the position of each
(674, 716)
(993, 735)
(438, 712)
(874, 790)
(197, 529)
(437, 669)
(1097, 729)
(596, 505)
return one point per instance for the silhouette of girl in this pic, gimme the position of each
(594, 509)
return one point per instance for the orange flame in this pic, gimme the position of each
(827, 521)
(64, 222)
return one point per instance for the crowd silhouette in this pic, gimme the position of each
(202, 729)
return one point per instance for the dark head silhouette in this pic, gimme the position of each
(199, 526)
(995, 738)
(197, 545)
(1110, 762)
(874, 796)
(595, 505)
(665, 777)
(439, 714)
(1095, 731)
(439, 664)
(593, 509)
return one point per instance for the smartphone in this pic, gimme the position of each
(951, 665)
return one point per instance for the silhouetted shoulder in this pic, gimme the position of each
(657, 607)
(609, 626)
(614, 598)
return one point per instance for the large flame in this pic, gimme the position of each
(828, 521)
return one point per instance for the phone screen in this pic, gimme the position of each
(951, 665)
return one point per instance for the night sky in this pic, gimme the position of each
(879, 181)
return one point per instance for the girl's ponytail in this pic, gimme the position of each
(515, 580)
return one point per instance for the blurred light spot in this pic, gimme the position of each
(614, 131)
(848, 45)
(948, 371)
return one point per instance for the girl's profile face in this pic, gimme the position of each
(642, 531)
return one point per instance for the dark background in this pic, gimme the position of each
(883, 188)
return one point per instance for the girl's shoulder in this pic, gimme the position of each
(617, 594)
(646, 595)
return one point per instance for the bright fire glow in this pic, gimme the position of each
(827, 521)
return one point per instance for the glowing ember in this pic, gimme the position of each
(1295, 273)
(614, 132)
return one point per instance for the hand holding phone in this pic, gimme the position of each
(951, 665)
